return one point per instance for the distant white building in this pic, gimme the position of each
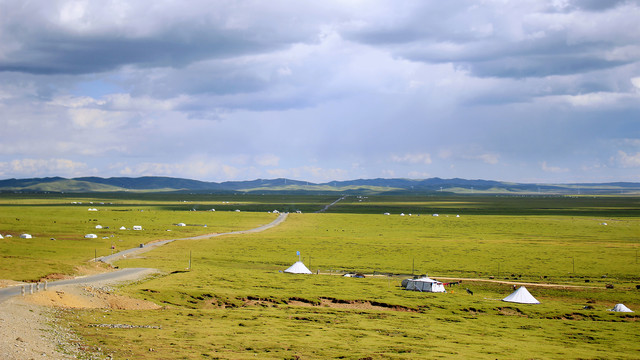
(137, 227)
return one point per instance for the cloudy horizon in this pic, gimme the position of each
(523, 91)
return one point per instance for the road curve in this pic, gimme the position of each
(109, 259)
(127, 274)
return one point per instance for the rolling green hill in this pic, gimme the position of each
(288, 186)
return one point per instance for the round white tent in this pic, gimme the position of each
(91, 236)
(620, 308)
(298, 268)
(521, 296)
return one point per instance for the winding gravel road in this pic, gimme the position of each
(109, 259)
(127, 274)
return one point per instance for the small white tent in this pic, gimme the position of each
(521, 296)
(91, 236)
(620, 308)
(137, 227)
(98, 226)
(298, 268)
(424, 284)
(25, 236)
(123, 228)
(1, 237)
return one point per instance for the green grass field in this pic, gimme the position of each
(235, 303)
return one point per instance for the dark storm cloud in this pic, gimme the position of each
(218, 90)
(518, 40)
(599, 5)
(46, 41)
(539, 66)
(63, 54)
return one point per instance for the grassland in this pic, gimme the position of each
(234, 303)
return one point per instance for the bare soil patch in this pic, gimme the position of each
(88, 298)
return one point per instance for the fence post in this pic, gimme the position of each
(23, 290)
(45, 285)
(31, 289)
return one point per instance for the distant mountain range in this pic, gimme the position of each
(288, 186)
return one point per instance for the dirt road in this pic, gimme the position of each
(109, 259)
(29, 331)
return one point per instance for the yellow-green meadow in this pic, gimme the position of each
(236, 303)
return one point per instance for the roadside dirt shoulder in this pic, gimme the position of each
(28, 333)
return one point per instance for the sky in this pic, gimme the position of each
(525, 91)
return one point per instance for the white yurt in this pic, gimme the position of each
(26, 236)
(521, 296)
(91, 236)
(620, 308)
(98, 226)
(424, 284)
(298, 268)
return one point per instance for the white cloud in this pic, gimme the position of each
(595, 99)
(412, 158)
(267, 160)
(553, 169)
(42, 167)
(312, 173)
(628, 160)
(489, 158)
(419, 175)
(469, 154)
